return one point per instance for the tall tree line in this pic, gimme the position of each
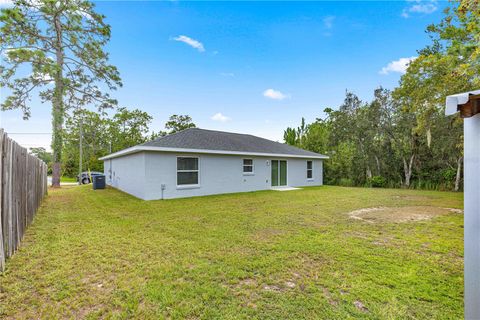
(103, 134)
(376, 144)
(401, 137)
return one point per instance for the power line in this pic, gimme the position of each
(29, 133)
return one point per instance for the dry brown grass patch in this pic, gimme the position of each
(329, 297)
(400, 214)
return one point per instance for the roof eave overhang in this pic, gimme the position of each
(136, 149)
(456, 102)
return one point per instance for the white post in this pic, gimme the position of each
(472, 216)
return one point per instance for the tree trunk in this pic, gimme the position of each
(429, 137)
(57, 108)
(407, 168)
(377, 161)
(369, 173)
(459, 173)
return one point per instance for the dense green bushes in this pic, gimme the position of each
(377, 182)
(378, 144)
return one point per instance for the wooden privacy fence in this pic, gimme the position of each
(23, 184)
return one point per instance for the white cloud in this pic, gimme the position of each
(86, 15)
(227, 74)
(275, 94)
(399, 66)
(42, 77)
(191, 42)
(6, 3)
(423, 7)
(220, 117)
(45, 78)
(328, 22)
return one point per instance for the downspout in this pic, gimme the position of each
(162, 187)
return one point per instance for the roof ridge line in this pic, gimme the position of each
(170, 134)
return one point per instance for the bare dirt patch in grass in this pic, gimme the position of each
(329, 297)
(287, 285)
(360, 306)
(272, 288)
(400, 214)
(248, 282)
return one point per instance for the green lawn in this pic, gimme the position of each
(265, 255)
(68, 179)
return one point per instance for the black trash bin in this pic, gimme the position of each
(98, 182)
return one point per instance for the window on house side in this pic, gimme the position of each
(310, 169)
(247, 166)
(187, 171)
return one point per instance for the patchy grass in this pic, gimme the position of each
(266, 255)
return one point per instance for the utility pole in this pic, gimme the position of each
(110, 163)
(80, 151)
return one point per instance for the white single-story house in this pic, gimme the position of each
(198, 162)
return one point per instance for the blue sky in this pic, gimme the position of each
(250, 67)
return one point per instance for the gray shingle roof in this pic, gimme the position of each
(196, 138)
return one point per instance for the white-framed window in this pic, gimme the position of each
(187, 171)
(309, 169)
(248, 166)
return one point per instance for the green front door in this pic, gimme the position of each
(274, 173)
(283, 173)
(279, 173)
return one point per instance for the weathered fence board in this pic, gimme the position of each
(23, 184)
(2, 248)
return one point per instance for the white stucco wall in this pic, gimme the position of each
(297, 173)
(218, 174)
(127, 174)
